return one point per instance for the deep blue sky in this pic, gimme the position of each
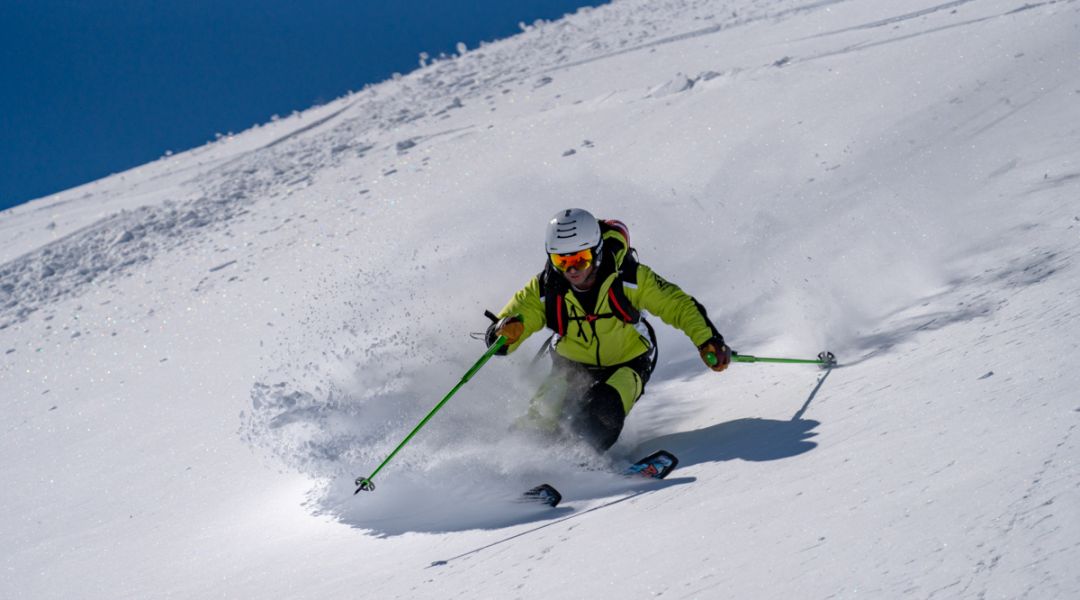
(93, 87)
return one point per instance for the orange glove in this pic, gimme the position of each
(716, 354)
(512, 328)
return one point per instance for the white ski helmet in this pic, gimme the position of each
(572, 230)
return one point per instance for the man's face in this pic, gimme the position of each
(577, 267)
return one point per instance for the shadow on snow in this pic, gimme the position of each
(750, 439)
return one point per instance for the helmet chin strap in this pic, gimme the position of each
(598, 255)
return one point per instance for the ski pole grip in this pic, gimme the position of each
(711, 359)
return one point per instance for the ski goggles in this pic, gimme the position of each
(579, 260)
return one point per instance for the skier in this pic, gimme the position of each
(591, 293)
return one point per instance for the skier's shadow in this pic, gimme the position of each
(751, 439)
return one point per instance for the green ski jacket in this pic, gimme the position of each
(606, 333)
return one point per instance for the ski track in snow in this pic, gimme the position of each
(895, 183)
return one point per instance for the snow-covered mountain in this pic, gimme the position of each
(200, 354)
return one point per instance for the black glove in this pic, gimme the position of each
(511, 328)
(715, 353)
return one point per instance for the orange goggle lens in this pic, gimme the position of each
(578, 260)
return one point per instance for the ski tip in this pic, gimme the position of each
(544, 494)
(671, 459)
(655, 466)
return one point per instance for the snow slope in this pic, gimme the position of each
(200, 354)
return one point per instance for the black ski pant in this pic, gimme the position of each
(596, 400)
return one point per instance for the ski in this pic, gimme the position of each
(654, 466)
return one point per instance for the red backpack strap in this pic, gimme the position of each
(553, 288)
(560, 308)
(618, 307)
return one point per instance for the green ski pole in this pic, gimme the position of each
(825, 360)
(365, 483)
